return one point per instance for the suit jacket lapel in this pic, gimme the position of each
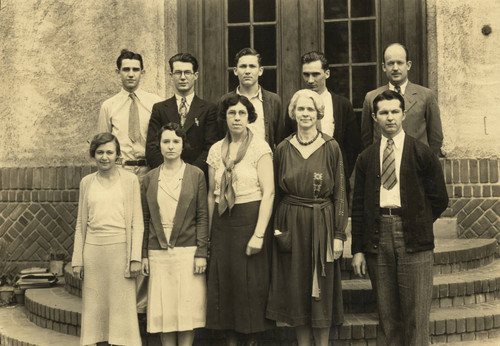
(410, 96)
(172, 112)
(192, 115)
(185, 198)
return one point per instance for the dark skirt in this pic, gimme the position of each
(238, 284)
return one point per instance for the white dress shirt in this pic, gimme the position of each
(392, 198)
(114, 116)
(258, 127)
(403, 87)
(328, 121)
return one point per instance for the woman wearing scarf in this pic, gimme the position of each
(309, 226)
(240, 201)
(174, 198)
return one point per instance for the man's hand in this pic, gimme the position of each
(359, 264)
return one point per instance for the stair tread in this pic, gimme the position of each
(55, 297)
(487, 342)
(490, 271)
(437, 314)
(15, 325)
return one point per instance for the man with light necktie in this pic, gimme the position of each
(422, 120)
(399, 192)
(126, 115)
(197, 117)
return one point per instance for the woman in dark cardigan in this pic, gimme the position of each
(174, 198)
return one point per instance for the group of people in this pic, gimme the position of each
(259, 245)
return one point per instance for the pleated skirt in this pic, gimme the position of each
(238, 284)
(109, 299)
(177, 298)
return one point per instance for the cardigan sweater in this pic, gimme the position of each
(423, 197)
(134, 226)
(191, 216)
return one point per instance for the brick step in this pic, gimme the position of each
(486, 342)
(54, 308)
(457, 289)
(16, 329)
(450, 256)
(72, 284)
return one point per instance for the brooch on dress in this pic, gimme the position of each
(317, 181)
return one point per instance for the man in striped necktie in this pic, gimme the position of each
(399, 192)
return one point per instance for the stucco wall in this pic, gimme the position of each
(468, 75)
(58, 65)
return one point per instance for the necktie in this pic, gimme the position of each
(389, 166)
(398, 89)
(183, 111)
(134, 129)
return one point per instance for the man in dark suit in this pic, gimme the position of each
(399, 192)
(269, 123)
(198, 117)
(339, 121)
(423, 120)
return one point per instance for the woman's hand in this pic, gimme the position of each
(145, 266)
(78, 272)
(200, 265)
(338, 248)
(254, 245)
(135, 268)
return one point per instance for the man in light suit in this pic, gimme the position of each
(198, 117)
(399, 192)
(339, 120)
(269, 123)
(422, 111)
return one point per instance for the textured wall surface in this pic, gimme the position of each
(58, 65)
(468, 71)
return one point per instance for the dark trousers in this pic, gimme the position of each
(402, 283)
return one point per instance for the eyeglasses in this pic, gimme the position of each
(178, 74)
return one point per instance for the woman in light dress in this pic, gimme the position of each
(107, 248)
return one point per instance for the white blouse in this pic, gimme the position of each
(245, 178)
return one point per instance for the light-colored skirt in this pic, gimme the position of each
(109, 299)
(177, 298)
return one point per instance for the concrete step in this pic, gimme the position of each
(17, 330)
(450, 256)
(456, 289)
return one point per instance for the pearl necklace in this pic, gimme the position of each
(309, 142)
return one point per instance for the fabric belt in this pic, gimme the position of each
(318, 237)
(391, 211)
(140, 162)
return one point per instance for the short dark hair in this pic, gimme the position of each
(103, 138)
(247, 51)
(396, 44)
(126, 54)
(183, 57)
(233, 100)
(179, 131)
(315, 56)
(387, 96)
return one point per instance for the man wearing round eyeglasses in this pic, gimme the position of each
(198, 117)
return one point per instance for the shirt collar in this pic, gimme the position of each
(325, 94)
(189, 98)
(403, 87)
(138, 92)
(398, 140)
(257, 95)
